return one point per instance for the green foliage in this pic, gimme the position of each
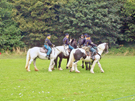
(122, 51)
(10, 34)
(100, 19)
(129, 23)
(36, 19)
(31, 20)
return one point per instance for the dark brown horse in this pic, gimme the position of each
(61, 55)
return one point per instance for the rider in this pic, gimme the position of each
(91, 45)
(48, 45)
(85, 35)
(66, 41)
(81, 41)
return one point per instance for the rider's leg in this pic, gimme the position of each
(93, 52)
(70, 47)
(49, 50)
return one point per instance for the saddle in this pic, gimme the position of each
(43, 50)
(87, 50)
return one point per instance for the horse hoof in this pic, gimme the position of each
(77, 71)
(60, 68)
(53, 69)
(28, 70)
(102, 71)
(36, 70)
(67, 68)
(71, 70)
(49, 70)
(92, 72)
(82, 66)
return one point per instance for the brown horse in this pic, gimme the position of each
(61, 55)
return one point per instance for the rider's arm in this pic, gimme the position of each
(49, 43)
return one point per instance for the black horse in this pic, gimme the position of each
(61, 55)
(81, 42)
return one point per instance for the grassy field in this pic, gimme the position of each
(117, 83)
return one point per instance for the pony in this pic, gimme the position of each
(34, 53)
(87, 64)
(61, 55)
(80, 54)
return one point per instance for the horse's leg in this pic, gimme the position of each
(101, 69)
(89, 66)
(67, 62)
(53, 63)
(75, 66)
(56, 61)
(50, 66)
(28, 69)
(82, 64)
(93, 65)
(59, 67)
(34, 63)
(72, 68)
(86, 64)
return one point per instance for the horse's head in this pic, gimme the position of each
(103, 47)
(106, 48)
(74, 43)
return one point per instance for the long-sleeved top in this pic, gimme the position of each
(89, 42)
(48, 42)
(81, 41)
(66, 41)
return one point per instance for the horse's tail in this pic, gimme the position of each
(71, 59)
(27, 59)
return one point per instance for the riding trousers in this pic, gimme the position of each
(48, 48)
(93, 49)
(70, 47)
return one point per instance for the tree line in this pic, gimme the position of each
(27, 22)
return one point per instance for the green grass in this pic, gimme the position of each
(17, 84)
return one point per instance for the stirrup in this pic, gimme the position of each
(47, 56)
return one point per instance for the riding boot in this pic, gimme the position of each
(93, 56)
(48, 57)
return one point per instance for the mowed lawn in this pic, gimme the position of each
(118, 81)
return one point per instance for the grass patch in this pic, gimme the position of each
(122, 50)
(18, 84)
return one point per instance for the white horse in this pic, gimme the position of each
(80, 54)
(34, 53)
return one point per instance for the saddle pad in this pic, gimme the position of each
(43, 50)
(87, 50)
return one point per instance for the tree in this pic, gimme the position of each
(102, 19)
(36, 19)
(10, 35)
(129, 23)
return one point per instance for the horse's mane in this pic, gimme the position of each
(72, 41)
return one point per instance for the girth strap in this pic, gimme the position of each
(99, 55)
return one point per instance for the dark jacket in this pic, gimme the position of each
(48, 42)
(66, 41)
(81, 41)
(89, 42)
